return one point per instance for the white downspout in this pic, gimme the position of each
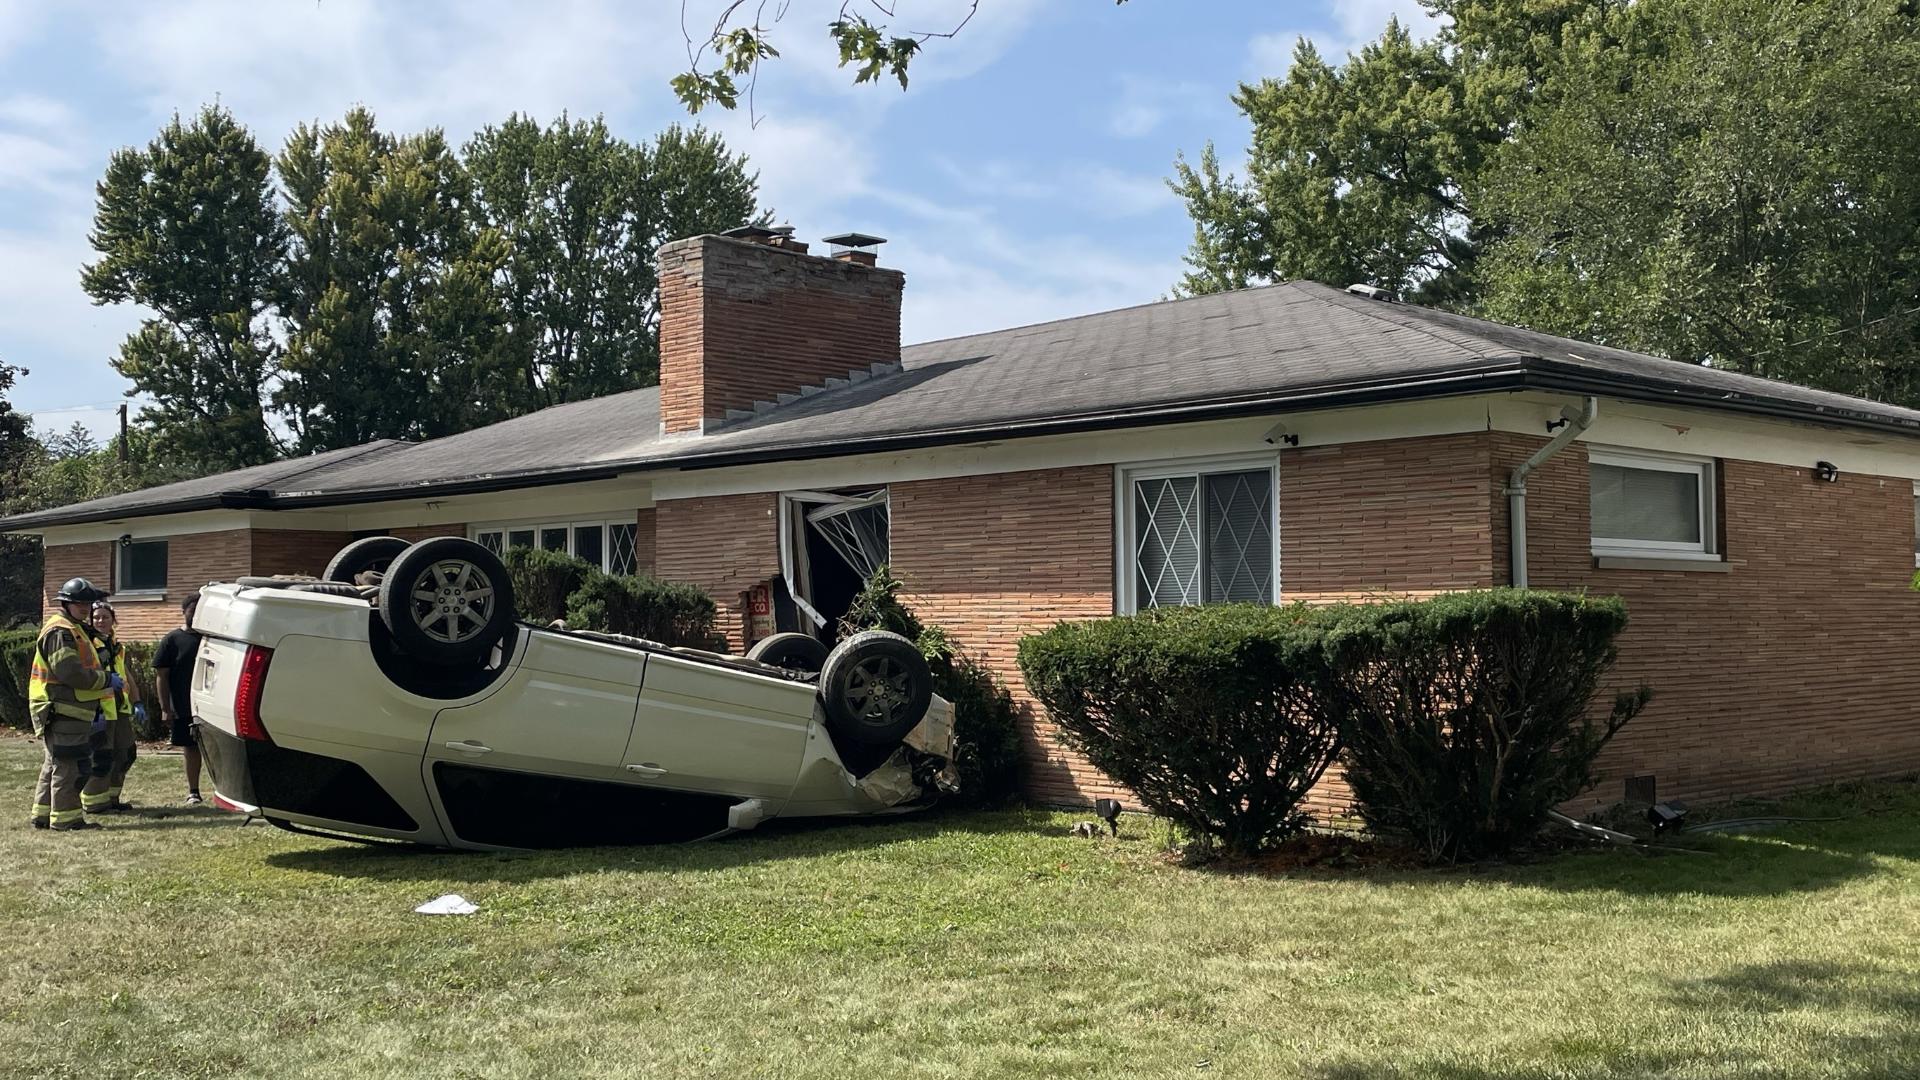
(1576, 422)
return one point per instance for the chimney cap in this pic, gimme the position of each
(754, 232)
(854, 240)
(1374, 292)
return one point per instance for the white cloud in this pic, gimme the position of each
(461, 67)
(1142, 105)
(1355, 23)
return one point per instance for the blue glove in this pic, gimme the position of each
(115, 683)
(140, 712)
(99, 720)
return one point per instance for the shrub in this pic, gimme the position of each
(543, 580)
(140, 671)
(16, 657)
(1219, 718)
(1465, 717)
(642, 607)
(986, 753)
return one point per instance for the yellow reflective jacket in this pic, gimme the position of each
(66, 679)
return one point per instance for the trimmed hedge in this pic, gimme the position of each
(16, 657)
(1461, 721)
(986, 754)
(644, 607)
(1467, 717)
(543, 580)
(1219, 718)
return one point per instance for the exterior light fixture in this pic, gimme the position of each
(1666, 817)
(126, 539)
(1108, 810)
(1826, 471)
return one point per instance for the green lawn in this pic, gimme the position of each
(951, 945)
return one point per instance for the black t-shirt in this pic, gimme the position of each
(177, 652)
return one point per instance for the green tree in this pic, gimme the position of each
(187, 228)
(1357, 173)
(19, 555)
(1727, 183)
(1710, 180)
(582, 212)
(393, 328)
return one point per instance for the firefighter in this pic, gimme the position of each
(112, 754)
(65, 688)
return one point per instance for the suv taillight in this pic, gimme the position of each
(246, 695)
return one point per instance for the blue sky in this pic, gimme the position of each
(1018, 180)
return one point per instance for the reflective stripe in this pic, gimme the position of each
(61, 817)
(95, 801)
(41, 809)
(40, 673)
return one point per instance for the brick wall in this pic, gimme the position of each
(645, 541)
(994, 558)
(64, 562)
(741, 322)
(294, 551)
(1397, 517)
(725, 544)
(193, 560)
(1798, 665)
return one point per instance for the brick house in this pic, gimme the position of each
(1280, 443)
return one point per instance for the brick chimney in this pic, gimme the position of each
(750, 315)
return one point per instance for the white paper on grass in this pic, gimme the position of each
(450, 904)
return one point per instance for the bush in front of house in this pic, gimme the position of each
(543, 580)
(986, 755)
(643, 607)
(1219, 718)
(1466, 718)
(16, 657)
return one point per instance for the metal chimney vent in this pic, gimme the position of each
(1374, 292)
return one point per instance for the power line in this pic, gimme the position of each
(1831, 333)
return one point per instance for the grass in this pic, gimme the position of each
(952, 945)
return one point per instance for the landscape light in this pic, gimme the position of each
(1108, 810)
(1666, 817)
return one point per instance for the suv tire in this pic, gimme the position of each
(369, 553)
(876, 688)
(794, 652)
(447, 601)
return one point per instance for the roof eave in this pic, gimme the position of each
(1510, 374)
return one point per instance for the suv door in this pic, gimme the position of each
(704, 726)
(564, 716)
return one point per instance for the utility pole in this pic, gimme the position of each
(123, 433)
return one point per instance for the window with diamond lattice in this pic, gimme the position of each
(1202, 537)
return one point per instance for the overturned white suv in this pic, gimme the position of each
(399, 698)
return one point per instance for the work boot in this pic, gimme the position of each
(118, 807)
(39, 822)
(76, 826)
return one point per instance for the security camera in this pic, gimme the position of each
(1278, 434)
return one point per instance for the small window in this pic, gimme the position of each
(1199, 536)
(1916, 523)
(622, 558)
(143, 567)
(1649, 505)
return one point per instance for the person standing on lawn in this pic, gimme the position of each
(65, 688)
(113, 755)
(173, 668)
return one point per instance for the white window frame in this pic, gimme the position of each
(606, 525)
(1704, 469)
(122, 558)
(1125, 592)
(1916, 501)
